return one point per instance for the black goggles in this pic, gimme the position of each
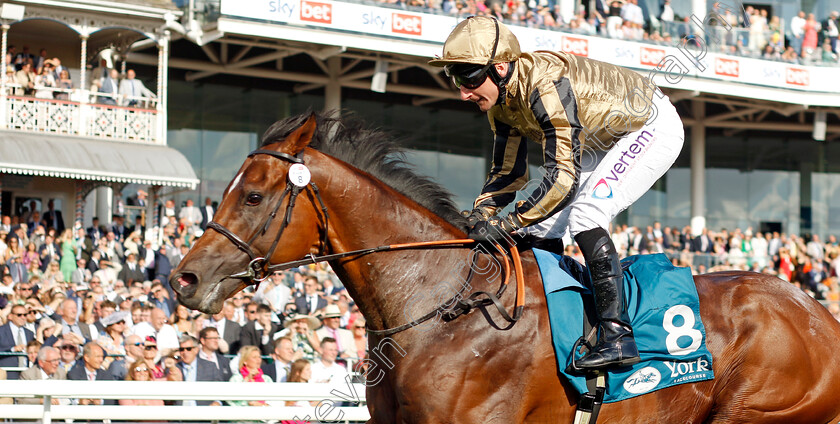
(469, 76)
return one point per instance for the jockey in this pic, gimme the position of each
(607, 134)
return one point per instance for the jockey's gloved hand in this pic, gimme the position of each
(491, 230)
(474, 217)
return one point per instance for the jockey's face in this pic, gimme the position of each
(485, 95)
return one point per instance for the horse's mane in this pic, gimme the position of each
(375, 152)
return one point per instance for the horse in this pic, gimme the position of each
(775, 349)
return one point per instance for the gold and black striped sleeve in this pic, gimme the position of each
(509, 170)
(555, 108)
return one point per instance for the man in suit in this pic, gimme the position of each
(84, 242)
(310, 302)
(703, 243)
(283, 356)
(208, 338)
(260, 332)
(344, 338)
(47, 368)
(54, 218)
(191, 213)
(69, 312)
(48, 252)
(109, 87)
(131, 271)
(94, 231)
(13, 338)
(207, 212)
(89, 369)
(162, 267)
(119, 228)
(194, 368)
(227, 327)
(132, 89)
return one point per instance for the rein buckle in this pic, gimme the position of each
(255, 271)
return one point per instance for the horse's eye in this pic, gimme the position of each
(254, 199)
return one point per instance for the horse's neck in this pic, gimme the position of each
(386, 284)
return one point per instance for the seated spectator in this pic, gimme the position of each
(133, 353)
(300, 328)
(113, 341)
(64, 83)
(89, 369)
(150, 355)
(182, 320)
(331, 328)
(69, 321)
(25, 77)
(326, 370)
(209, 339)
(45, 83)
(13, 338)
(133, 91)
(46, 368)
(194, 368)
(109, 88)
(164, 334)
(138, 371)
(282, 357)
(250, 370)
(68, 346)
(300, 372)
(260, 332)
(32, 349)
(360, 337)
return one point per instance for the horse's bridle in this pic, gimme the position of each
(259, 267)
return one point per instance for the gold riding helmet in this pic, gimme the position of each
(473, 47)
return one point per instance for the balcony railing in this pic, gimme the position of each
(82, 114)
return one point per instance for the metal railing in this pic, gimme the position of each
(327, 397)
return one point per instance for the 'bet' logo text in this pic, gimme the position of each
(406, 24)
(727, 67)
(576, 46)
(797, 76)
(311, 11)
(651, 56)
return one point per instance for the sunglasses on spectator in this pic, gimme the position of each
(186, 349)
(252, 311)
(25, 288)
(68, 347)
(19, 315)
(141, 370)
(469, 75)
(136, 344)
(152, 347)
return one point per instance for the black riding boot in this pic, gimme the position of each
(616, 345)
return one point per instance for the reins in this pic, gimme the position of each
(259, 267)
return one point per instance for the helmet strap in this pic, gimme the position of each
(501, 82)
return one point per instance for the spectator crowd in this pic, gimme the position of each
(809, 263)
(46, 78)
(95, 304)
(751, 32)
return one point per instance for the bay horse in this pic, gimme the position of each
(776, 350)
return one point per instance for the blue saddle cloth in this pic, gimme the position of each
(665, 313)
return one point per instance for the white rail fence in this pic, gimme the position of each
(328, 396)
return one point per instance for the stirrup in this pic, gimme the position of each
(573, 368)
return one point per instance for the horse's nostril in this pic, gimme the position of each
(187, 279)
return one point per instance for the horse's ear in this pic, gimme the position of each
(301, 137)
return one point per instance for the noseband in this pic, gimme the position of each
(259, 268)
